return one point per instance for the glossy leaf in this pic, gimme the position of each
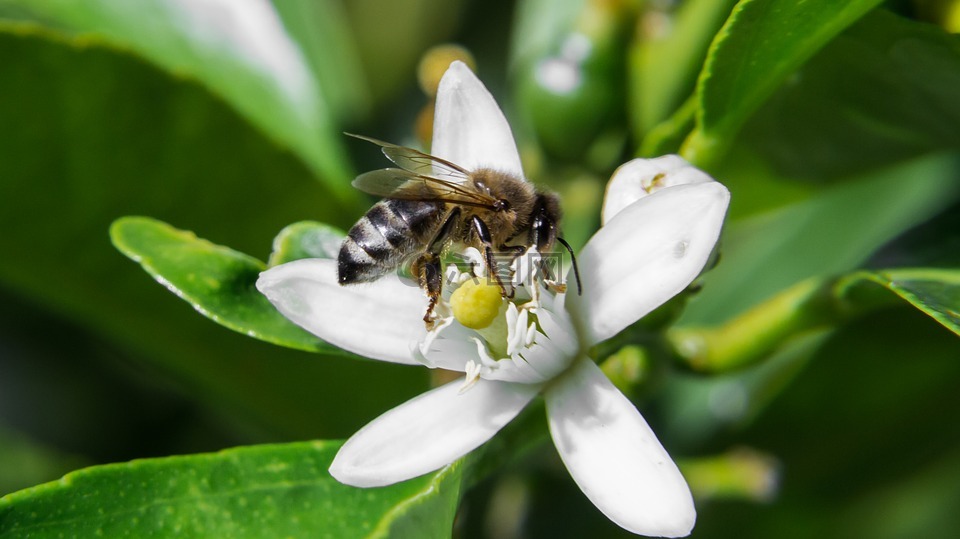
(94, 134)
(256, 491)
(933, 291)
(762, 43)
(828, 234)
(866, 433)
(27, 462)
(323, 32)
(886, 90)
(668, 55)
(218, 282)
(239, 50)
(306, 239)
(392, 36)
(933, 244)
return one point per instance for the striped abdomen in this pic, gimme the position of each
(389, 234)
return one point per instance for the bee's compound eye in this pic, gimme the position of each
(501, 205)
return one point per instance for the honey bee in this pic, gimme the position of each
(429, 204)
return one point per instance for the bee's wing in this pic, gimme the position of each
(407, 185)
(418, 162)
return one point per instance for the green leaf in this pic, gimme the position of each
(242, 53)
(667, 136)
(933, 291)
(666, 58)
(933, 244)
(863, 432)
(306, 239)
(323, 32)
(391, 37)
(762, 43)
(829, 234)
(93, 134)
(256, 491)
(218, 282)
(887, 89)
(27, 462)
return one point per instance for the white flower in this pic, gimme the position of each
(661, 221)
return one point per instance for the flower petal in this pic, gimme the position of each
(468, 127)
(452, 351)
(646, 255)
(428, 432)
(551, 353)
(614, 456)
(639, 178)
(380, 320)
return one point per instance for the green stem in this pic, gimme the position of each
(668, 135)
(754, 335)
(741, 473)
(703, 150)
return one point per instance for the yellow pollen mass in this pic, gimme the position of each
(475, 304)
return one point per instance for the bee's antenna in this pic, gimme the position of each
(573, 258)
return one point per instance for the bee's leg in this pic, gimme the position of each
(427, 269)
(516, 251)
(427, 266)
(483, 234)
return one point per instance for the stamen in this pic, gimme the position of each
(516, 328)
(511, 343)
(531, 335)
(472, 376)
(486, 360)
(438, 326)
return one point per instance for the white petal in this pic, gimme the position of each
(551, 354)
(536, 356)
(514, 370)
(558, 327)
(379, 320)
(646, 255)
(614, 456)
(452, 352)
(468, 127)
(639, 178)
(428, 432)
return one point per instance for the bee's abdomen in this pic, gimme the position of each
(385, 237)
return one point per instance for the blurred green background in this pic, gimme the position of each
(849, 161)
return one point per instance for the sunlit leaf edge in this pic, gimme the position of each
(899, 282)
(290, 244)
(287, 334)
(329, 167)
(712, 134)
(443, 485)
(404, 513)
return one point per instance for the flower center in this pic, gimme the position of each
(526, 339)
(476, 303)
